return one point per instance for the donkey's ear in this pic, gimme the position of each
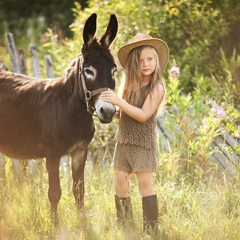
(89, 29)
(111, 31)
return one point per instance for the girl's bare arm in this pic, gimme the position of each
(139, 114)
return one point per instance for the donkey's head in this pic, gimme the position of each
(98, 67)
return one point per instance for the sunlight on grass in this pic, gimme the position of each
(186, 212)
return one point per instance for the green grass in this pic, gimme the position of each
(186, 212)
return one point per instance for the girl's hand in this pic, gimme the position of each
(110, 96)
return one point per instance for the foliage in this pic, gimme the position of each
(15, 16)
(102, 145)
(223, 85)
(193, 122)
(184, 25)
(192, 31)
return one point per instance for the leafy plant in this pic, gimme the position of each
(193, 124)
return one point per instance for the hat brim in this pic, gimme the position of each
(158, 44)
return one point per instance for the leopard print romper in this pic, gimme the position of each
(136, 149)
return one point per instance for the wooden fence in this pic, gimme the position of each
(227, 161)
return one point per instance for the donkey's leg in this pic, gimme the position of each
(54, 189)
(79, 156)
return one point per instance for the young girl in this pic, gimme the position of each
(144, 59)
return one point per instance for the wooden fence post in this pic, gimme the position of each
(22, 62)
(13, 52)
(49, 67)
(35, 62)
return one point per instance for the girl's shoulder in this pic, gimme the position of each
(159, 87)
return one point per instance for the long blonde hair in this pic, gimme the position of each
(132, 78)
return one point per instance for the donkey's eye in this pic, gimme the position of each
(88, 71)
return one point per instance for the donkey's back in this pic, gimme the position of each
(34, 116)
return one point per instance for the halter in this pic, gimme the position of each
(88, 94)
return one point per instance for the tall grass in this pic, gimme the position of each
(186, 212)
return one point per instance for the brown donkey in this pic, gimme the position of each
(48, 118)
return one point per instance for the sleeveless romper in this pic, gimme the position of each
(136, 149)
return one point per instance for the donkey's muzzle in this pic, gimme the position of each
(105, 111)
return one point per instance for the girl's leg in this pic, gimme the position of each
(122, 183)
(145, 183)
(149, 202)
(122, 198)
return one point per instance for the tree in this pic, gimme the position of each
(15, 15)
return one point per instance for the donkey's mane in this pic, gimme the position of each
(70, 68)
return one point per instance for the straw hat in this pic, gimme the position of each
(141, 40)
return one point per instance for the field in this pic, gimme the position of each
(208, 211)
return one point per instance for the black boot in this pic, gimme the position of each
(124, 210)
(150, 214)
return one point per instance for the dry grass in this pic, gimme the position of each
(186, 212)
